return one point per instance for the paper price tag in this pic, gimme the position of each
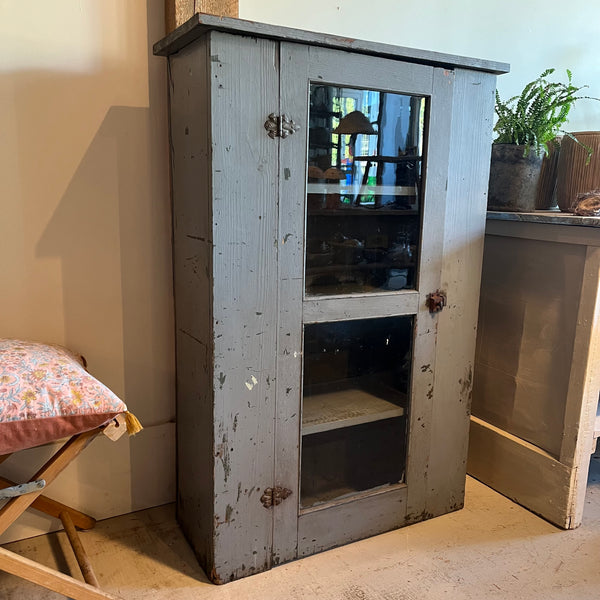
(116, 428)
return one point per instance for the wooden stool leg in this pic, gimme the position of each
(15, 507)
(53, 508)
(78, 550)
(50, 579)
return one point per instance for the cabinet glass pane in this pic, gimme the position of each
(355, 404)
(364, 190)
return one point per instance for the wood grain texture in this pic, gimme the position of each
(239, 215)
(78, 550)
(345, 408)
(548, 217)
(578, 441)
(539, 319)
(245, 169)
(320, 530)
(49, 578)
(178, 12)
(193, 269)
(199, 25)
(319, 310)
(424, 392)
(49, 472)
(577, 173)
(520, 471)
(472, 115)
(381, 74)
(527, 323)
(550, 232)
(293, 62)
(54, 508)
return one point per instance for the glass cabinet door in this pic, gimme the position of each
(363, 233)
(365, 177)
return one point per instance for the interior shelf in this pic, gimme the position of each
(352, 190)
(361, 266)
(339, 494)
(355, 211)
(345, 405)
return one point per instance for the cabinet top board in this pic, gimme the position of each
(201, 23)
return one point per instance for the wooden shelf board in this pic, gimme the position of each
(348, 406)
(340, 495)
(358, 211)
(361, 266)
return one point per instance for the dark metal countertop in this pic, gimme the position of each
(547, 217)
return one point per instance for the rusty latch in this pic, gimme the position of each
(274, 496)
(435, 301)
(280, 126)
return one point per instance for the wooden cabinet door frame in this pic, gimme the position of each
(369, 513)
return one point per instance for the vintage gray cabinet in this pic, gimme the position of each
(328, 215)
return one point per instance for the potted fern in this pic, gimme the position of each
(526, 127)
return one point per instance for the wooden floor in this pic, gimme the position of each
(491, 549)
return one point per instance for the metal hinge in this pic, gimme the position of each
(436, 301)
(274, 496)
(280, 126)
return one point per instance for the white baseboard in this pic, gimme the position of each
(106, 480)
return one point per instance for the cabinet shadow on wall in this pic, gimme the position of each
(111, 232)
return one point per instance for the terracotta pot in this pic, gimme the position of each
(546, 197)
(514, 178)
(574, 176)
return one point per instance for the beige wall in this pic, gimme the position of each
(84, 225)
(531, 35)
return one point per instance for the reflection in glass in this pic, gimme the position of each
(355, 404)
(365, 162)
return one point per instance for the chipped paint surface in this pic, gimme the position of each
(249, 430)
(222, 378)
(466, 385)
(222, 454)
(250, 384)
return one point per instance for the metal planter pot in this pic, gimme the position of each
(514, 178)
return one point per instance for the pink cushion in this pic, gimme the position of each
(46, 394)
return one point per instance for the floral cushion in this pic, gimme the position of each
(46, 394)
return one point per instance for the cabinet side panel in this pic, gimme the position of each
(244, 91)
(470, 143)
(192, 256)
(527, 325)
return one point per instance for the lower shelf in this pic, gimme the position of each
(346, 404)
(343, 462)
(343, 494)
